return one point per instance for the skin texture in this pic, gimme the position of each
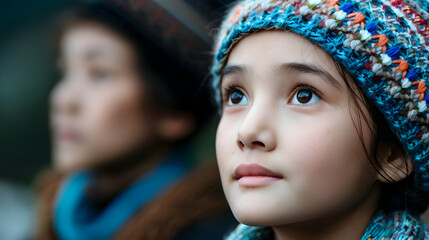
(327, 187)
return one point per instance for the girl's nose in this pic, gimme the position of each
(257, 130)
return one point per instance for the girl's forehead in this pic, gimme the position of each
(277, 46)
(267, 50)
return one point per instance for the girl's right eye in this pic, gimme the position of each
(237, 97)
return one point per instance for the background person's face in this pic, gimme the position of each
(99, 109)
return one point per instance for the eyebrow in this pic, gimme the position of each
(233, 69)
(308, 68)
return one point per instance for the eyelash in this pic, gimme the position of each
(307, 87)
(228, 89)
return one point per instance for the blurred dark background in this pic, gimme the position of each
(28, 73)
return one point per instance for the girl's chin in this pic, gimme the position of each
(257, 219)
(263, 216)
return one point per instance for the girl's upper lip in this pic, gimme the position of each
(253, 169)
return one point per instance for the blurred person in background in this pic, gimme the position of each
(123, 118)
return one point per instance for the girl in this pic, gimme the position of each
(123, 115)
(324, 130)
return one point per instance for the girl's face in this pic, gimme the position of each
(287, 144)
(100, 109)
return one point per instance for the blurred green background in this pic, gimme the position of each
(27, 73)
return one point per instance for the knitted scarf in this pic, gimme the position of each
(395, 226)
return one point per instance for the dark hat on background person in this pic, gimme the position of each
(173, 48)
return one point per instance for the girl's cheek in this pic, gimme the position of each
(225, 145)
(328, 155)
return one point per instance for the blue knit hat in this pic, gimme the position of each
(383, 44)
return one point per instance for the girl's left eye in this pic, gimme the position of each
(304, 96)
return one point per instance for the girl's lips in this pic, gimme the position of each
(254, 175)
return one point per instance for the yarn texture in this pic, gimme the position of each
(383, 44)
(394, 226)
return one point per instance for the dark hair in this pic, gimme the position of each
(404, 194)
(174, 84)
(399, 195)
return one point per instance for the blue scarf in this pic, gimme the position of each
(399, 225)
(75, 218)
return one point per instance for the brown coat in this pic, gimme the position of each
(197, 197)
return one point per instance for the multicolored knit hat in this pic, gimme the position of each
(383, 44)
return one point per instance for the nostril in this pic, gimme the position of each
(258, 143)
(240, 144)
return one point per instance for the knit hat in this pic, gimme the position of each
(383, 44)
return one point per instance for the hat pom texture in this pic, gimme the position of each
(383, 44)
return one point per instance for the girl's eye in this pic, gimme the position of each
(304, 96)
(237, 97)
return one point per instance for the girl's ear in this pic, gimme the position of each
(175, 126)
(395, 164)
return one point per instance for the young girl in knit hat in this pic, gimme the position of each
(324, 128)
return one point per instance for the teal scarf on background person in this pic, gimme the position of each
(398, 225)
(75, 218)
